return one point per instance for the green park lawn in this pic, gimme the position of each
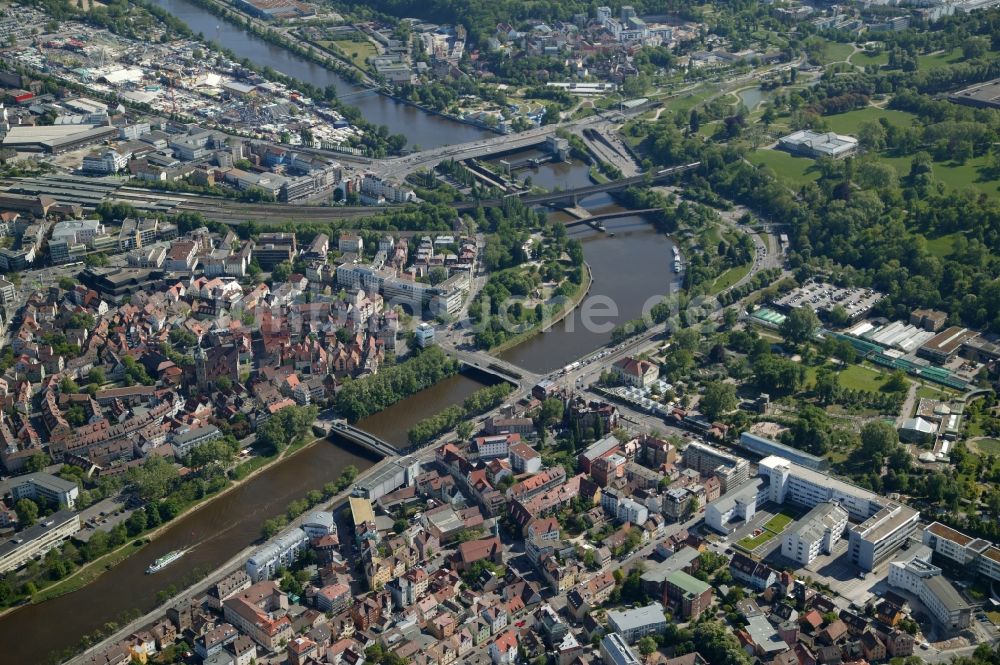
(357, 52)
(987, 446)
(942, 246)
(972, 174)
(939, 60)
(793, 171)
(848, 123)
(859, 377)
(730, 277)
(861, 59)
(836, 52)
(683, 103)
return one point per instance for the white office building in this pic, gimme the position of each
(636, 623)
(884, 525)
(737, 506)
(615, 651)
(45, 487)
(925, 581)
(815, 533)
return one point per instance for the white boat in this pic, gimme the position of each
(676, 253)
(165, 561)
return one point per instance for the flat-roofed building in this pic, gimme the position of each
(638, 622)
(925, 581)
(813, 144)
(945, 344)
(765, 447)
(732, 471)
(981, 95)
(874, 540)
(817, 532)
(883, 526)
(688, 595)
(36, 540)
(963, 550)
(616, 651)
(45, 487)
(278, 553)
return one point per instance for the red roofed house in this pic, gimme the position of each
(503, 650)
(635, 372)
(472, 551)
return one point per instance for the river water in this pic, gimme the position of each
(423, 129)
(631, 271)
(217, 531)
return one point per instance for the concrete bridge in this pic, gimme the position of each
(595, 220)
(363, 439)
(570, 197)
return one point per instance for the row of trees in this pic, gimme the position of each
(287, 425)
(458, 416)
(363, 397)
(272, 526)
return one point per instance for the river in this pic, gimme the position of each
(628, 270)
(218, 531)
(424, 129)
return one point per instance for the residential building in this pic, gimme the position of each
(732, 471)
(688, 595)
(261, 613)
(188, 440)
(634, 624)
(280, 552)
(44, 487)
(213, 641)
(751, 573)
(818, 531)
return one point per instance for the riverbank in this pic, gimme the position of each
(581, 292)
(441, 114)
(197, 588)
(92, 570)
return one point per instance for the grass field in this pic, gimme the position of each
(848, 123)
(685, 102)
(778, 523)
(730, 277)
(357, 52)
(987, 446)
(858, 377)
(939, 60)
(793, 171)
(750, 543)
(836, 52)
(942, 246)
(955, 176)
(861, 59)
